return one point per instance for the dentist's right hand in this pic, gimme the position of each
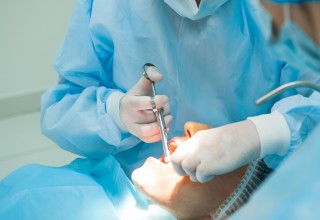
(135, 108)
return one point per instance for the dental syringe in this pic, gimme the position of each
(159, 115)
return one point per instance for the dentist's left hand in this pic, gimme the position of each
(217, 151)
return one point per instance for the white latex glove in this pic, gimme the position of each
(135, 108)
(217, 151)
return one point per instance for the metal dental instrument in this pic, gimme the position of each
(159, 115)
(285, 87)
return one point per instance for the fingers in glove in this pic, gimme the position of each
(176, 160)
(194, 179)
(145, 131)
(154, 138)
(203, 174)
(143, 86)
(177, 167)
(189, 167)
(166, 109)
(146, 117)
(154, 74)
(168, 119)
(203, 179)
(144, 102)
(179, 162)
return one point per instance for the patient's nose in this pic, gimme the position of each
(191, 128)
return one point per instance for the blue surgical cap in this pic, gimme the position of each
(293, 1)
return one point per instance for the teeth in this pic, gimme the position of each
(173, 144)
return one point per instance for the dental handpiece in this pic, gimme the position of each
(159, 116)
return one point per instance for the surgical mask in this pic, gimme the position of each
(293, 45)
(189, 8)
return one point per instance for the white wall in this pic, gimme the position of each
(30, 34)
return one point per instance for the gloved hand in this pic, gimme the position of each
(136, 109)
(217, 151)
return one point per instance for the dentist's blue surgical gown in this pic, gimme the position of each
(214, 68)
(292, 191)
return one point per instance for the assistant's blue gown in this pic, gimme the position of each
(292, 191)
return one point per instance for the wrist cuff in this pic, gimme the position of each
(113, 109)
(273, 132)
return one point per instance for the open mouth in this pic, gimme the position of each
(173, 144)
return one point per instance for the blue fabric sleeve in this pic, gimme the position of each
(74, 113)
(301, 111)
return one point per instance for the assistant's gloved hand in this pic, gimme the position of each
(217, 151)
(135, 108)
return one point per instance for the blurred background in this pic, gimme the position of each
(30, 35)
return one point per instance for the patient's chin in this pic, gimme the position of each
(190, 200)
(180, 196)
(156, 180)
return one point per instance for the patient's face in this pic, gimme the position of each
(178, 195)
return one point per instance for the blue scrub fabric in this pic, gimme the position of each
(292, 191)
(293, 1)
(214, 68)
(84, 189)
